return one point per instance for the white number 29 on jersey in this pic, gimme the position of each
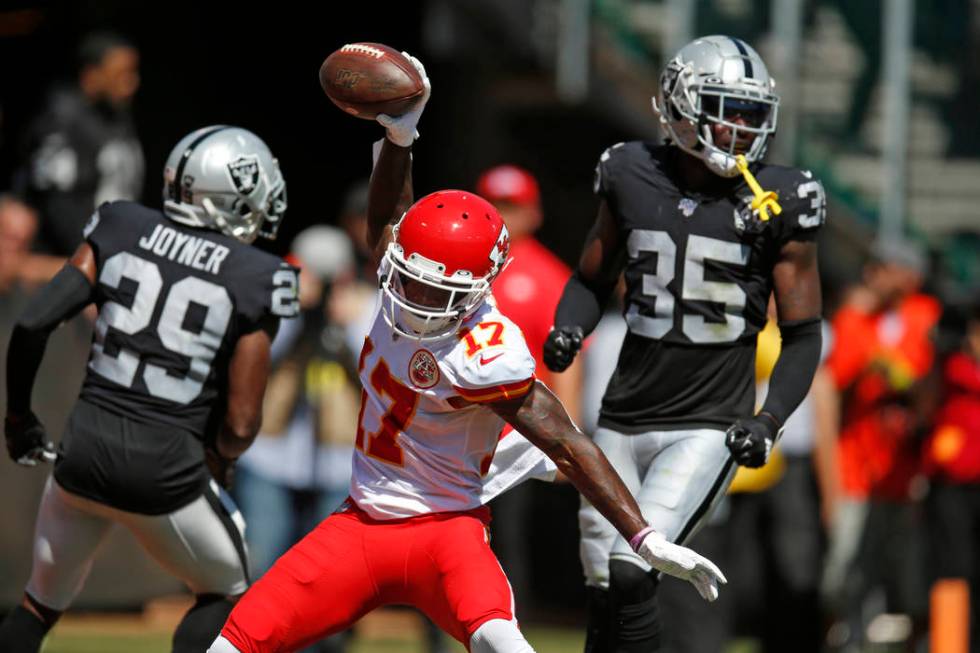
(200, 347)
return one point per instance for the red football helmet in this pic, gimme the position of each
(447, 250)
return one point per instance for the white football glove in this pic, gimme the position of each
(400, 130)
(683, 563)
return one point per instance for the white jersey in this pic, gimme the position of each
(425, 441)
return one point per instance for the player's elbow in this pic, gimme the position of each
(245, 426)
(239, 431)
(566, 457)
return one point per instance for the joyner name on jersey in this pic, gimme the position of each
(198, 253)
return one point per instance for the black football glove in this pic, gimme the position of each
(222, 469)
(561, 346)
(750, 439)
(27, 442)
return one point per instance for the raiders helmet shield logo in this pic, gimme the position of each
(244, 173)
(423, 369)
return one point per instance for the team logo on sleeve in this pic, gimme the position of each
(747, 220)
(423, 369)
(244, 173)
(687, 206)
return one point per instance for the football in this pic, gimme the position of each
(365, 79)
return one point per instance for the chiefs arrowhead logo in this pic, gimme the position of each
(501, 248)
(423, 369)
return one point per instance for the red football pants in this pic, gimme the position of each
(351, 564)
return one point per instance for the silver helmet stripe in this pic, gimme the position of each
(175, 192)
(746, 60)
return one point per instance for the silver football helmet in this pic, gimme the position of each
(715, 80)
(225, 178)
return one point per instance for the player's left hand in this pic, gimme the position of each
(561, 346)
(222, 469)
(27, 441)
(401, 129)
(681, 562)
(750, 439)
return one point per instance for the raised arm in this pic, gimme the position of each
(60, 299)
(540, 417)
(390, 192)
(587, 291)
(389, 195)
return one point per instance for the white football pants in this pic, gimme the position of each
(677, 478)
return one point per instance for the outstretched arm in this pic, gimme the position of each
(540, 417)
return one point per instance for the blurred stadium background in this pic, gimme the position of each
(880, 99)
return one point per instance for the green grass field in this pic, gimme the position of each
(544, 640)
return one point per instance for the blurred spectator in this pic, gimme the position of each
(527, 291)
(82, 149)
(298, 469)
(952, 460)
(882, 350)
(355, 300)
(529, 287)
(18, 266)
(353, 220)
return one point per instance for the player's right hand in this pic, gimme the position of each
(400, 130)
(681, 562)
(27, 442)
(561, 346)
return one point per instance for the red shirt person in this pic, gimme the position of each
(528, 289)
(883, 347)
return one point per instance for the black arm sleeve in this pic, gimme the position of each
(582, 304)
(791, 378)
(63, 297)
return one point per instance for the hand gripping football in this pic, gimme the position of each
(365, 79)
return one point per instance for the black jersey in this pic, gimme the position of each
(698, 279)
(80, 154)
(173, 301)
